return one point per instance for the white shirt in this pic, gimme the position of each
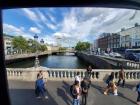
(77, 78)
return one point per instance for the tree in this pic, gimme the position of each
(42, 48)
(20, 43)
(82, 46)
(62, 48)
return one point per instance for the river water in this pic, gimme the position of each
(53, 61)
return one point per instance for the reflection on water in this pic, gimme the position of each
(53, 61)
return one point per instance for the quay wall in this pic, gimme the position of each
(95, 60)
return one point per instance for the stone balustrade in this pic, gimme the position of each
(133, 64)
(29, 74)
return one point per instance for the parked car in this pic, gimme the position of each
(106, 54)
(115, 55)
(133, 54)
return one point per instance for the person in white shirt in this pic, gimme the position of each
(77, 77)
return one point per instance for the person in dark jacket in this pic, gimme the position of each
(110, 78)
(89, 71)
(85, 85)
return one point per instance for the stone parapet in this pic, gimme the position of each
(30, 74)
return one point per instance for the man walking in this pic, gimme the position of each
(89, 71)
(85, 85)
(121, 77)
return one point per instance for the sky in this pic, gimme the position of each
(67, 26)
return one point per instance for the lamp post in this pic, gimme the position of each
(36, 57)
(42, 41)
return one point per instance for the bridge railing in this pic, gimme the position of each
(126, 63)
(30, 74)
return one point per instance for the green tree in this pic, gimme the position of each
(42, 47)
(20, 43)
(62, 49)
(82, 46)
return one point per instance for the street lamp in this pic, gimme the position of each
(42, 41)
(36, 58)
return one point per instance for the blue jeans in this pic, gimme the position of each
(76, 102)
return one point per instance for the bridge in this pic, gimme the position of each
(22, 81)
(31, 55)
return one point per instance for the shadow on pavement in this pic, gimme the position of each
(66, 86)
(122, 95)
(64, 96)
(99, 88)
(27, 97)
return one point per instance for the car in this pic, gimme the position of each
(132, 54)
(115, 55)
(106, 54)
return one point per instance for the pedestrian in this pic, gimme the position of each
(77, 77)
(111, 85)
(89, 71)
(40, 88)
(85, 85)
(40, 74)
(110, 78)
(138, 91)
(121, 77)
(76, 92)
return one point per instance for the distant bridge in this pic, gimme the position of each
(32, 55)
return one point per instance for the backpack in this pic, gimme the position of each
(73, 91)
(108, 80)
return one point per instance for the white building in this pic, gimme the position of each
(8, 44)
(130, 38)
(51, 47)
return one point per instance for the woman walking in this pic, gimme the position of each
(111, 85)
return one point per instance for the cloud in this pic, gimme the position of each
(13, 30)
(78, 24)
(88, 23)
(50, 40)
(45, 20)
(52, 18)
(32, 16)
(35, 30)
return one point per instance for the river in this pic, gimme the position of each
(53, 61)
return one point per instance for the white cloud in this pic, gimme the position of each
(50, 40)
(45, 21)
(52, 18)
(51, 26)
(80, 23)
(13, 30)
(87, 23)
(35, 30)
(32, 16)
